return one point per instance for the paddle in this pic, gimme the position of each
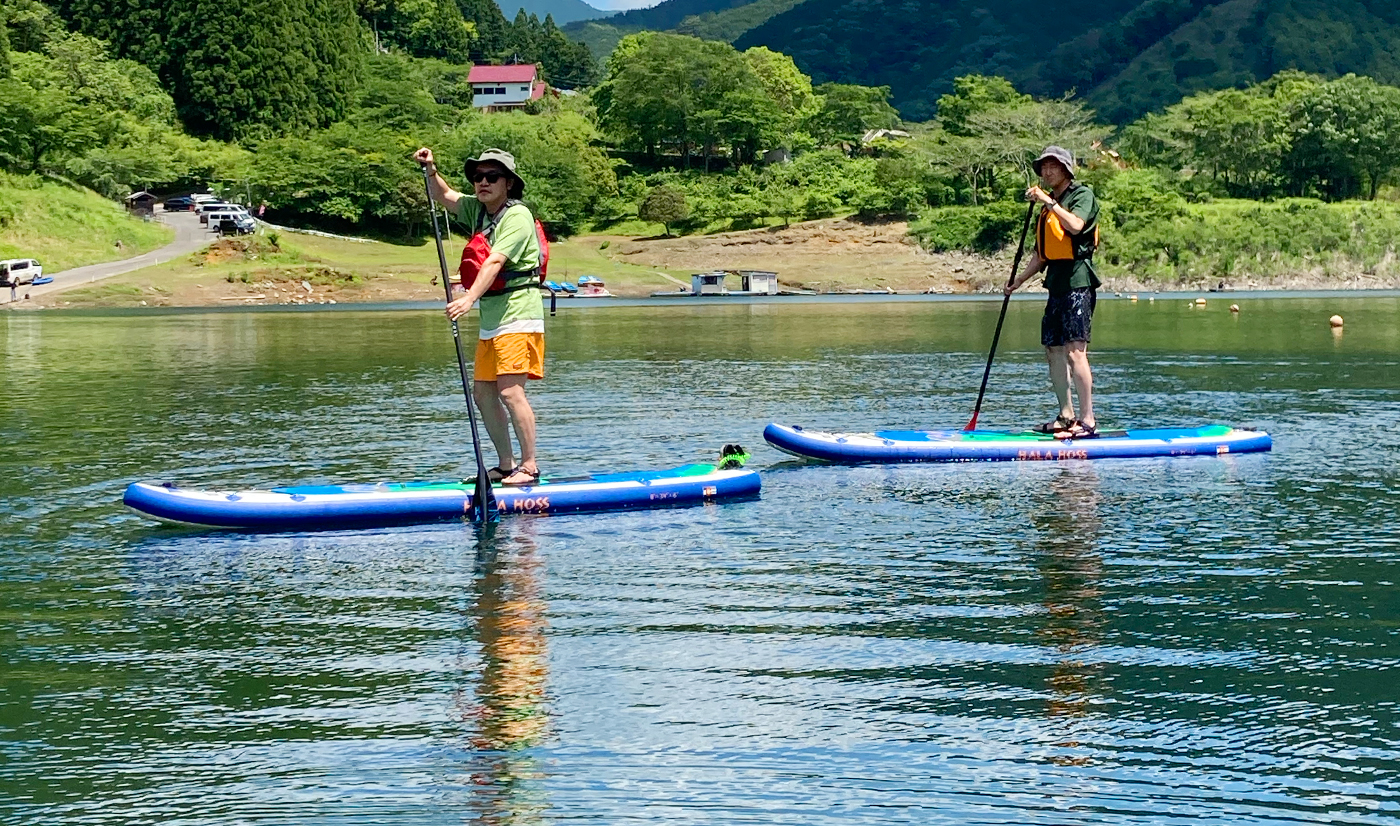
(1005, 300)
(483, 507)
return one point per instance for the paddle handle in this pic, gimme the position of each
(483, 507)
(1005, 302)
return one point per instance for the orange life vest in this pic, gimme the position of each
(1055, 243)
(478, 249)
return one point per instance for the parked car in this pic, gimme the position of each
(234, 223)
(178, 203)
(211, 206)
(16, 272)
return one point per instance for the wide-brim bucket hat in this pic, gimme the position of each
(506, 160)
(1058, 153)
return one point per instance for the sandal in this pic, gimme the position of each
(1060, 425)
(531, 477)
(498, 473)
(1080, 430)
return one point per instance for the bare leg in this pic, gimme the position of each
(1059, 379)
(512, 395)
(1077, 355)
(488, 401)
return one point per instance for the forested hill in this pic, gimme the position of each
(723, 20)
(563, 11)
(1126, 57)
(268, 67)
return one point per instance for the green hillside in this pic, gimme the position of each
(724, 20)
(66, 227)
(730, 24)
(1127, 57)
(1243, 41)
(563, 11)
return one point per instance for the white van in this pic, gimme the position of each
(16, 272)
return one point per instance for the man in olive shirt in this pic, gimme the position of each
(1065, 239)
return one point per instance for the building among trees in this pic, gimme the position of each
(498, 88)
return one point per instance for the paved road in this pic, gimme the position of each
(190, 235)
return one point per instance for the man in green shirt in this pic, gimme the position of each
(510, 345)
(1065, 238)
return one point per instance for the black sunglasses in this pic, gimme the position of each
(490, 176)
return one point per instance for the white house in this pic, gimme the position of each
(505, 87)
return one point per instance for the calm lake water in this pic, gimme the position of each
(1129, 641)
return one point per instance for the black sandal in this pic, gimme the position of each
(531, 478)
(1080, 430)
(497, 473)
(1060, 425)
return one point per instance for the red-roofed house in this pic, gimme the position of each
(505, 87)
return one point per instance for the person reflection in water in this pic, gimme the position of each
(507, 713)
(1071, 569)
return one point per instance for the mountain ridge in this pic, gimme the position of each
(1123, 57)
(564, 11)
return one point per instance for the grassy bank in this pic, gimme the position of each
(1166, 241)
(65, 227)
(293, 268)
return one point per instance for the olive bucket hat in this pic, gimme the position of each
(1058, 153)
(505, 159)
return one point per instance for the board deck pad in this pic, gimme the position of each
(321, 507)
(884, 446)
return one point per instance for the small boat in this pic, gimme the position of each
(553, 286)
(43, 279)
(591, 286)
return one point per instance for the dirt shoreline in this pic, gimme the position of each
(834, 256)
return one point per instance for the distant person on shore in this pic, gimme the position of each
(510, 345)
(1066, 235)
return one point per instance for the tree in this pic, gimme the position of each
(783, 82)
(4, 52)
(846, 112)
(239, 70)
(665, 89)
(1348, 135)
(664, 205)
(975, 94)
(265, 66)
(489, 27)
(1015, 133)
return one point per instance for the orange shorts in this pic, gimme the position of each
(509, 354)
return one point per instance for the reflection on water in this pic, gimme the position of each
(1068, 561)
(506, 710)
(1162, 642)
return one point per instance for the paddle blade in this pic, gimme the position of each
(483, 509)
(972, 424)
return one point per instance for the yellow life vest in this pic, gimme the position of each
(1054, 243)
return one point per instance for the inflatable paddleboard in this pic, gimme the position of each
(1010, 446)
(323, 507)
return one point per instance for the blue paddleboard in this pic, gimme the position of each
(326, 507)
(1009, 446)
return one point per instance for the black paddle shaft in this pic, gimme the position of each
(1005, 300)
(483, 499)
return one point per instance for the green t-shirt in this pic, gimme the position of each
(518, 311)
(1063, 276)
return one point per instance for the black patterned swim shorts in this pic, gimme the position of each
(1068, 317)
